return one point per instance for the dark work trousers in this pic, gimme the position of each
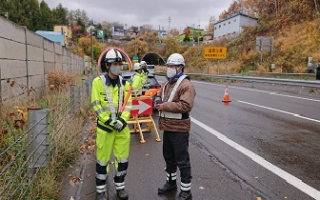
(176, 154)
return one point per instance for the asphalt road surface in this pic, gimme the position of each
(262, 145)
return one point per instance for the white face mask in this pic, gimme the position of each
(171, 72)
(115, 70)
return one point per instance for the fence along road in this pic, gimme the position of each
(33, 148)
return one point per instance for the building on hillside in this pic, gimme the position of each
(56, 37)
(117, 32)
(233, 26)
(193, 35)
(207, 37)
(132, 33)
(161, 34)
(67, 32)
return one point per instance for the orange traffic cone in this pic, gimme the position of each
(226, 98)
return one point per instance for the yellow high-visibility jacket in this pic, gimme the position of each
(137, 81)
(100, 102)
(145, 76)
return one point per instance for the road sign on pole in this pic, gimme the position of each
(141, 107)
(100, 34)
(215, 52)
(86, 61)
(264, 43)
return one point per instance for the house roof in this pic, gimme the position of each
(52, 36)
(235, 15)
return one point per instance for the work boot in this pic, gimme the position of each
(184, 195)
(122, 194)
(101, 196)
(169, 186)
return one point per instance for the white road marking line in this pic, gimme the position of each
(241, 88)
(292, 180)
(284, 95)
(261, 91)
(281, 111)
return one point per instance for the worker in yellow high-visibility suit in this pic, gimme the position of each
(145, 71)
(109, 92)
(137, 79)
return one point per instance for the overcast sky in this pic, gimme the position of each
(183, 13)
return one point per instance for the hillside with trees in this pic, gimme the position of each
(294, 25)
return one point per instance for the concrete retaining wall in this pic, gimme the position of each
(26, 58)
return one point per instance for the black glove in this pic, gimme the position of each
(120, 124)
(110, 122)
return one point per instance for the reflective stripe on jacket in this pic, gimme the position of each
(176, 106)
(100, 103)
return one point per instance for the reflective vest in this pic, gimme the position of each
(172, 115)
(107, 100)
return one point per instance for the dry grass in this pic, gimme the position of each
(66, 137)
(60, 80)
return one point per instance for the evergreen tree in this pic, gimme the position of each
(46, 22)
(32, 12)
(5, 8)
(59, 15)
(17, 12)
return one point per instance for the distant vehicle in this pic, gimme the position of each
(150, 66)
(125, 66)
(152, 81)
(150, 69)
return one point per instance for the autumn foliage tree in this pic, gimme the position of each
(186, 35)
(85, 45)
(136, 47)
(172, 46)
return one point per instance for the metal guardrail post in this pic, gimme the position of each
(90, 82)
(88, 88)
(38, 137)
(318, 73)
(85, 88)
(75, 98)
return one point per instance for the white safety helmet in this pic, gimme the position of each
(137, 66)
(112, 56)
(176, 59)
(143, 63)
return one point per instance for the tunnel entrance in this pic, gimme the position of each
(153, 59)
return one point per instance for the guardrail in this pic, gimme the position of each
(291, 82)
(29, 153)
(289, 74)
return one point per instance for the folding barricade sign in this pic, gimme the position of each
(141, 112)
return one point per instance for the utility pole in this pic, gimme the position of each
(199, 32)
(91, 45)
(193, 35)
(135, 47)
(169, 21)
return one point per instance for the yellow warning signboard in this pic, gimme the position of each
(215, 52)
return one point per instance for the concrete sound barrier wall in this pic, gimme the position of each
(26, 58)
